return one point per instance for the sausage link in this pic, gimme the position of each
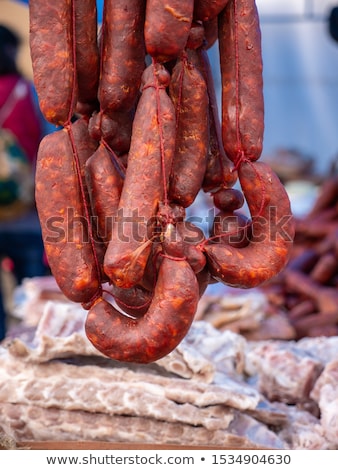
(134, 301)
(192, 237)
(188, 92)
(160, 330)
(87, 54)
(51, 45)
(206, 10)
(104, 181)
(231, 228)
(114, 129)
(210, 32)
(219, 170)
(272, 232)
(122, 54)
(228, 199)
(242, 82)
(61, 208)
(145, 182)
(167, 26)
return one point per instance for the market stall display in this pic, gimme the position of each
(216, 388)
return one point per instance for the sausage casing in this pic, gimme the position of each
(239, 39)
(64, 223)
(158, 331)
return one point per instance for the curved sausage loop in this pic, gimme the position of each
(271, 235)
(160, 330)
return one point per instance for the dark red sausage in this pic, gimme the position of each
(231, 228)
(160, 330)
(122, 54)
(228, 199)
(134, 301)
(61, 206)
(167, 27)
(114, 129)
(242, 82)
(192, 237)
(206, 10)
(272, 232)
(210, 32)
(104, 178)
(146, 180)
(87, 54)
(188, 92)
(53, 62)
(219, 170)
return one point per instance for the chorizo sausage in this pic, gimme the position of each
(230, 226)
(196, 36)
(219, 171)
(272, 232)
(149, 162)
(181, 238)
(177, 246)
(167, 26)
(61, 203)
(51, 45)
(228, 199)
(114, 129)
(210, 32)
(159, 330)
(104, 180)
(206, 10)
(134, 301)
(87, 54)
(122, 54)
(242, 82)
(192, 237)
(188, 92)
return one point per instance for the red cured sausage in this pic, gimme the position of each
(242, 82)
(149, 162)
(192, 237)
(206, 10)
(188, 92)
(228, 199)
(51, 46)
(231, 228)
(160, 330)
(196, 36)
(167, 26)
(104, 180)
(87, 54)
(183, 240)
(61, 207)
(134, 301)
(272, 232)
(210, 32)
(219, 170)
(114, 129)
(122, 54)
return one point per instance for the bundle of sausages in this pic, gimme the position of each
(139, 137)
